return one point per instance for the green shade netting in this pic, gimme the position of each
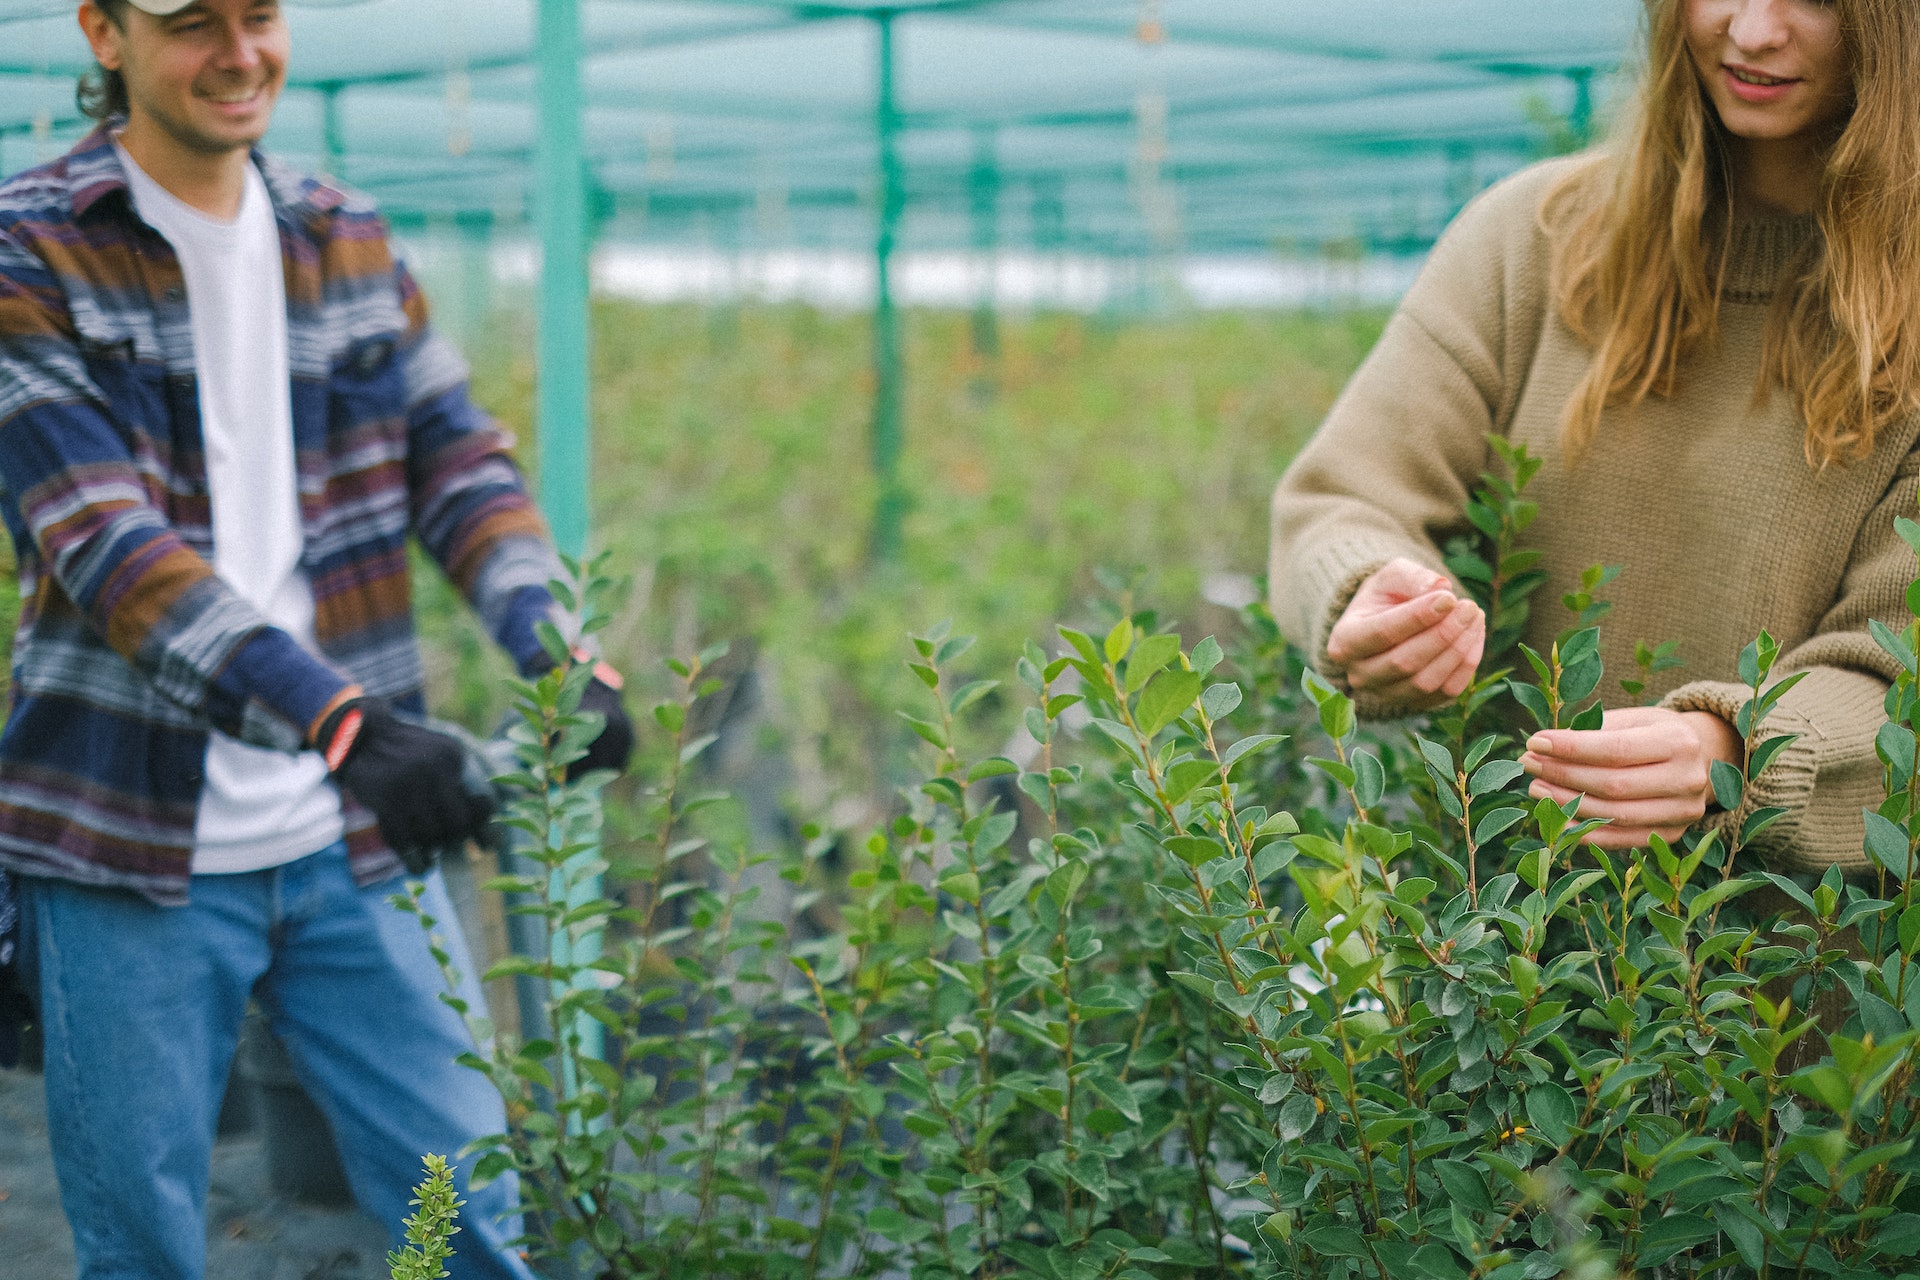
(1119, 126)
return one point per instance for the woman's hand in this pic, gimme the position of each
(1646, 768)
(1407, 639)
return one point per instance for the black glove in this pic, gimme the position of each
(408, 775)
(615, 744)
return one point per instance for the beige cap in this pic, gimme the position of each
(160, 8)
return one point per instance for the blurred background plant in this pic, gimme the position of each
(732, 486)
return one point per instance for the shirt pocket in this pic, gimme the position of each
(366, 388)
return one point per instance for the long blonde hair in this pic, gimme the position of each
(1639, 236)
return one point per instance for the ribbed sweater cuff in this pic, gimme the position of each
(1330, 577)
(1798, 842)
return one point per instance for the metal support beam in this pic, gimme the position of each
(476, 275)
(1580, 119)
(561, 183)
(888, 389)
(332, 135)
(983, 198)
(561, 400)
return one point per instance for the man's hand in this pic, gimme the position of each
(614, 746)
(1407, 639)
(407, 774)
(1646, 768)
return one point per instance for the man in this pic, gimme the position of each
(221, 415)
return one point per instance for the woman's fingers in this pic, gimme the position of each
(1370, 628)
(1670, 777)
(1424, 659)
(1648, 811)
(1636, 742)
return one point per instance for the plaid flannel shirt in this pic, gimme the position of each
(129, 648)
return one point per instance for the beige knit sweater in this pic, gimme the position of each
(1704, 500)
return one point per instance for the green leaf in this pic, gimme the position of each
(1887, 844)
(1114, 1092)
(1894, 643)
(1206, 656)
(1534, 701)
(1194, 850)
(1336, 717)
(1220, 700)
(926, 729)
(1370, 779)
(1065, 883)
(1167, 698)
(1899, 1235)
(1764, 753)
(992, 767)
(1187, 775)
(1669, 1235)
(1340, 773)
(1895, 745)
(1493, 776)
(1119, 640)
(1465, 1185)
(1825, 1084)
(1492, 824)
(969, 694)
(1149, 657)
(1551, 1109)
(1728, 786)
(1249, 745)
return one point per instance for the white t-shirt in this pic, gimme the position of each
(258, 807)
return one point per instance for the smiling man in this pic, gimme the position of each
(222, 416)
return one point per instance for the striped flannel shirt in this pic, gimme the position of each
(129, 649)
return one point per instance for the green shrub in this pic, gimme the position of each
(1174, 997)
(430, 1228)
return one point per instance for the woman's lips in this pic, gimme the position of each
(1747, 91)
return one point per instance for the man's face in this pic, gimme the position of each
(207, 77)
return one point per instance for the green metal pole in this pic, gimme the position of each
(983, 190)
(561, 178)
(887, 375)
(333, 136)
(476, 275)
(1581, 118)
(562, 369)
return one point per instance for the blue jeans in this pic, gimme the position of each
(141, 1008)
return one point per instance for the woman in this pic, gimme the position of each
(1711, 334)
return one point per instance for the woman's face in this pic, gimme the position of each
(1777, 70)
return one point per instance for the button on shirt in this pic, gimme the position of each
(258, 807)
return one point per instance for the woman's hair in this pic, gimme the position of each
(1639, 237)
(102, 94)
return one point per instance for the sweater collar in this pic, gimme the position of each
(1760, 250)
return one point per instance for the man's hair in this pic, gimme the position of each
(102, 94)
(1640, 234)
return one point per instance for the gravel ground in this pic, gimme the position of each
(252, 1234)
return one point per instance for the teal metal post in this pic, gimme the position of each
(562, 368)
(1580, 119)
(983, 191)
(476, 276)
(333, 136)
(890, 508)
(561, 186)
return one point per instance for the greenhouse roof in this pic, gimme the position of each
(1122, 126)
